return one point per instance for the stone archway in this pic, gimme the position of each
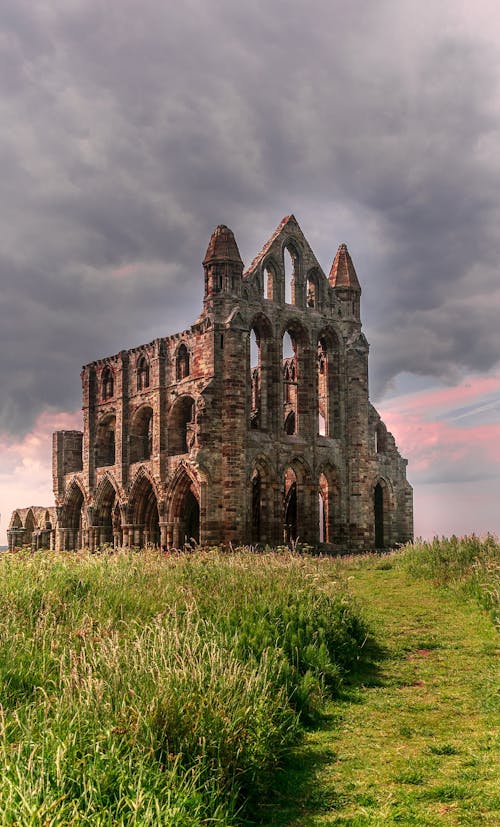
(290, 532)
(381, 514)
(73, 518)
(144, 515)
(184, 510)
(105, 528)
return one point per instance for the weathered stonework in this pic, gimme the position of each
(252, 426)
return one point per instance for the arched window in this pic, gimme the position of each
(256, 507)
(142, 373)
(290, 383)
(181, 426)
(290, 506)
(141, 435)
(105, 442)
(312, 297)
(322, 387)
(107, 383)
(289, 264)
(182, 368)
(269, 279)
(380, 438)
(328, 384)
(255, 374)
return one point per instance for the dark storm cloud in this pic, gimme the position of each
(131, 130)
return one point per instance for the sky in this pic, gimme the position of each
(131, 129)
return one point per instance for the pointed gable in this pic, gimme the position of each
(342, 273)
(287, 229)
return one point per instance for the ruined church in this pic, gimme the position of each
(253, 426)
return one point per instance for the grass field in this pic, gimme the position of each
(143, 690)
(417, 741)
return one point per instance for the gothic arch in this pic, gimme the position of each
(295, 476)
(329, 502)
(181, 425)
(74, 515)
(142, 370)
(143, 509)
(16, 520)
(292, 281)
(259, 370)
(107, 383)
(260, 487)
(141, 434)
(295, 370)
(104, 447)
(383, 508)
(106, 512)
(182, 362)
(184, 506)
(270, 278)
(314, 289)
(328, 384)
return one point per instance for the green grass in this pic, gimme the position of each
(417, 741)
(138, 689)
(143, 690)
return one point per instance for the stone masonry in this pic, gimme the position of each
(252, 426)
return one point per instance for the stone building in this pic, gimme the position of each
(252, 426)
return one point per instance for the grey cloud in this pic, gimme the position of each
(130, 135)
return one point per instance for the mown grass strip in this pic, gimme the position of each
(417, 742)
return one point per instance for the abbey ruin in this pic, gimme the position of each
(251, 427)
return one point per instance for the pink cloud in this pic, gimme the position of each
(26, 470)
(438, 400)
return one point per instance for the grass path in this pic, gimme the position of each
(419, 742)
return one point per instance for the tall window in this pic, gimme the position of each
(142, 373)
(312, 290)
(182, 362)
(255, 376)
(181, 425)
(105, 442)
(107, 383)
(290, 384)
(141, 436)
(322, 365)
(289, 267)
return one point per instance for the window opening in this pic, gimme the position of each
(107, 383)
(142, 374)
(182, 362)
(105, 443)
(289, 262)
(290, 384)
(290, 506)
(322, 381)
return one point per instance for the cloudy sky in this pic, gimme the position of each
(131, 129)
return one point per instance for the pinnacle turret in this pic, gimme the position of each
(342, 273)
(222, 247)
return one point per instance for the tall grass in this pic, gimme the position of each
(471, 564)
(142, 690)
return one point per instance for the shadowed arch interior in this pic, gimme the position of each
(144, 512)
(185, 511)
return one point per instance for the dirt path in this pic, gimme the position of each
(419, 743)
